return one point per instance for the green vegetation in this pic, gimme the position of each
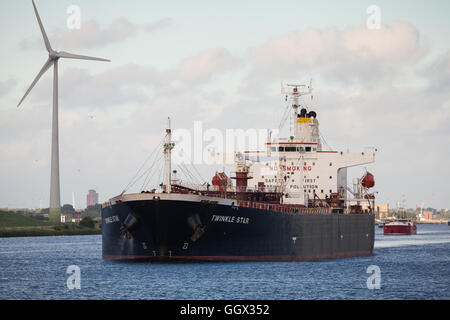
(87, 222)
(17, 225)
(16, 220)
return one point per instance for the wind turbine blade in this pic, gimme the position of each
(46, 66)
(44, 35)
(68, 55)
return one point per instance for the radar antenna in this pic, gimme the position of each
(295, 91)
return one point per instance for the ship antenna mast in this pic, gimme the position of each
(295, 91)
(168, 146)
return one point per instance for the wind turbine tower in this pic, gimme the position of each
(53, 58)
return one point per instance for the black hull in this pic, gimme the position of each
(171, 230)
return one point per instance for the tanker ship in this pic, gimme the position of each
(289, 202)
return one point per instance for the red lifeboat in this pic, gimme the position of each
(220, 181)
(368, 181)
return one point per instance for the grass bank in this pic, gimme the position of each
(14, 225)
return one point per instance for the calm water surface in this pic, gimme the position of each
(412, 267)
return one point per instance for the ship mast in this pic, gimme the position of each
(168, 146)
(295, 93)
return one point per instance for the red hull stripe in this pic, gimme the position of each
(241, 258)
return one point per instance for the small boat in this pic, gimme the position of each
(381, 224)
(400, 227)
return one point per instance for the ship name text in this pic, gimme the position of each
(230, 219)
(112, 219)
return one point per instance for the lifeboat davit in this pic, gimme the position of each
(368, 181)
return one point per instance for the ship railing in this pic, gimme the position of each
(208, 187)
(258, 189)
(190, 185)
(245, 189)
(282, 208)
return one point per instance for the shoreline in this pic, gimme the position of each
(16, 225)
(22, 232)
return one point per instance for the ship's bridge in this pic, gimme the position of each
(291, 147)
(298, 166)
(301, 171)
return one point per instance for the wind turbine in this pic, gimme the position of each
(53, 57)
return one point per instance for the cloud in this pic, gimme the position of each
(134, 87)
(353, 53)
(91, 34)
(400, 122)
(396, 113)
(6, 86)
(158, 25)
(357, 109)
(438, 74)
(129, 83)
(206, 65)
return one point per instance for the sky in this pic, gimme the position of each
(221, 63)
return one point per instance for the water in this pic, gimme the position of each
(412, 267)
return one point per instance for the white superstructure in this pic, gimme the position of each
(298, 167)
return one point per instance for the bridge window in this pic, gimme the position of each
(273, 148)
(290, 149)
(280, 148)
(300, 149)
(308, 149)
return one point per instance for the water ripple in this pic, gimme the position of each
(412, 267)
